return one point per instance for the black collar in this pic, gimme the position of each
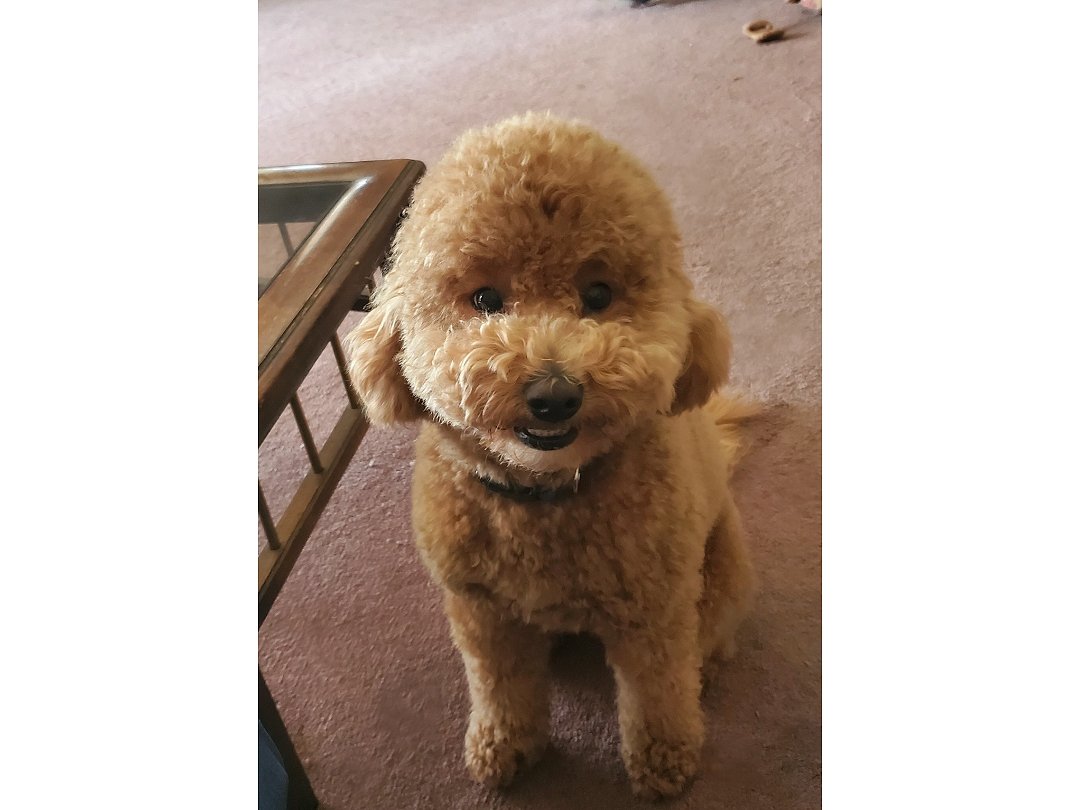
(530, 494)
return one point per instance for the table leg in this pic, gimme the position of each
(301, 796)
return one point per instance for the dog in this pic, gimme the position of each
(573, 463)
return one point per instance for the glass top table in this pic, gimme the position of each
(324, 231)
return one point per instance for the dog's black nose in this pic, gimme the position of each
(554, 397)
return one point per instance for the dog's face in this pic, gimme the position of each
(536, 301)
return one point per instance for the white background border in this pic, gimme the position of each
(950, 531)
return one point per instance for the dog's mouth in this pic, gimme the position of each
(538, 439)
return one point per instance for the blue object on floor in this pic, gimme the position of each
(273, 781)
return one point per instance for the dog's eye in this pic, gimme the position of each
(596, 297)
(487, 299)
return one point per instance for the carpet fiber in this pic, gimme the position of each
(356, 649)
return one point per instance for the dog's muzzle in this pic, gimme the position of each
(552, 397)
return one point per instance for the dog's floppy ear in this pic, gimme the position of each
(372, 349)
(707, 361)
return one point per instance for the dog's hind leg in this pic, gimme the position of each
(729, 585)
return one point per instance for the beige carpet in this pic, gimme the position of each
(356, 649)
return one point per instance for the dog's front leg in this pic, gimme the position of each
(658, 672)
(506, 662)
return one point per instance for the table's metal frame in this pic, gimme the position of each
(329, 273)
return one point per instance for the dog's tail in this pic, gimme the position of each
(730, 411)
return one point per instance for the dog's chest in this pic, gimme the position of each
(561, 568)
(588, 561)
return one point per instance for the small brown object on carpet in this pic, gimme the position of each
(762, 31)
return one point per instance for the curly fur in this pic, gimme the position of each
(648, 554)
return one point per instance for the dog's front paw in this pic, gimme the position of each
(495, 755)
(661, 768)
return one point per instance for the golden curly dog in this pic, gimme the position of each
(572, 468)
